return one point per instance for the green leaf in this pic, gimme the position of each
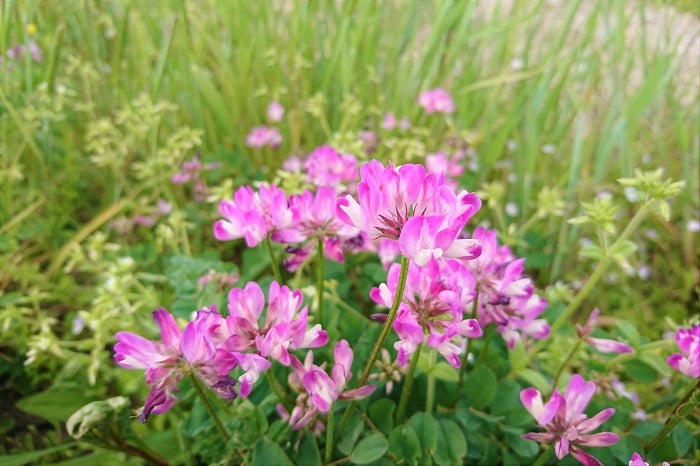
(23, 458)
(404, 444)
(682, 438)
(524, 448)
(451, 444)
(309, 455)
(655, 360)
(534, 378)
(426, 430)
(255, 422)
(369, 449)
(628, 331)
(646, 430)
(351, 434)
(58, 402)
(480, 387)
(517, 356)
(507, 393)
(443, 371)
(592, 251)
(640, 371)
(268, 452)
(625, 248)
(381, 412)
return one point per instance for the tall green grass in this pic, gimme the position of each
(608, 100)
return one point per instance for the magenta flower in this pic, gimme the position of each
(506, 296)
(253, 215)
(389, 121)
(452, 168)
(565, 423)
(687, 362)
(264, 136)
(284, 327)
(436, 100)
(327, 167)
(413, 207)
(604, 345)
(314, 219)
(319, 391)
(637, 460)
(177, 354)
(432, 310)
(275, 112)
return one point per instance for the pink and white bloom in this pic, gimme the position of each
(318, 390)
(253, 215)
(285, 327)
(604, 345)
(687, 362)
(566, 425)
(178, 353)
(432, 309)
(637, 460)
(436, 100)
(452, 168)
(314, 219)
(275, 112)
(264, 136)
(506, 295)
(327, 167)
(415, 208)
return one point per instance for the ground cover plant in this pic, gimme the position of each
(356, 232)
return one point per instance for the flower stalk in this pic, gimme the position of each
(210, 409)
(408, 382)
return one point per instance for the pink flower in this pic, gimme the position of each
(565, 423)
(413, 207)
(326, 167)
(436, 100)
(432, 310)
(603, 345)
(275, 112)
(452, 168)
(253, 215)
(506, 296)
(313, 219)
(264, 136)
(637, 460)
(284, 327)
(687, 362)
(177, 354)
(318, 390)
(389, 121)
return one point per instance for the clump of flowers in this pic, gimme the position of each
(436, 100)
(15, 53)
(412, 207)
(264, 136)
(687, 362)
(505, 296)
(432, 309)
(190, 172)
(565, 423)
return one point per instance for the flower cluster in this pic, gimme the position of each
(688, 363)
(505, 295)
(16, 52)
(212, 345)
(566, 425)
(432, 309)
(436, 100)
(190, 171)
(412, 207)
(264, 136)
(253, 215)
(604, 345)
(325, 166)
(317, 390)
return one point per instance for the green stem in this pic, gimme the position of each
(398, 296)
(490, 330)
(555, 381)
(329, 436)
(465, 357)
(401, 285)
(544, 457)
(319, 279)
(430, 392)
(203, 396)
(408, 381)
(682, 409)
(273, 260)
(279, 390)
(590, 284)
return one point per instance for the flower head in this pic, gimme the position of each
(415, 208)
(275, 112)
(263, 136)
(687, 362)
(436, 100)
(565, 423)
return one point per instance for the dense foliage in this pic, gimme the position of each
(348, 232)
